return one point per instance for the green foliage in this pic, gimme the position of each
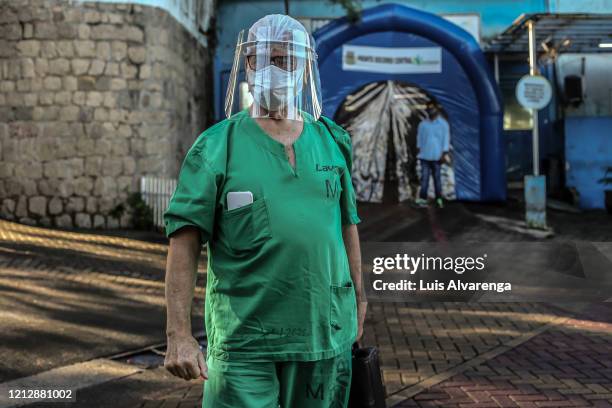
(142, 215)
(352, 8)
(118, 211)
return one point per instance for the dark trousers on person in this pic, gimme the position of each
(430, 167)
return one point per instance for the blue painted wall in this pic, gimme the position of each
(519, 143)
(235, 15)
(588, 152)
(495, 16)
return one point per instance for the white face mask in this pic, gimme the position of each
(274, 87)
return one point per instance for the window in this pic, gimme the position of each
(515, 116)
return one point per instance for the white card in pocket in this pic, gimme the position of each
(237, 199)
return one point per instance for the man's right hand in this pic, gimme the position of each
(445, 159)
(185, 359)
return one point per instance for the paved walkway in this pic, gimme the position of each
(497, 356)
(72, 289)
(86, 295)
(568, 365)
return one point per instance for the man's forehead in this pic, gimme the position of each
(273, 48)
(275, 51)
(278, 50)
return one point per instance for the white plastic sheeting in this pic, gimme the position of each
(383, 116)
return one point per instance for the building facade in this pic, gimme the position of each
(485, 20)
(93, 96)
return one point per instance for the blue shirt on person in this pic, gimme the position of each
(433, 138)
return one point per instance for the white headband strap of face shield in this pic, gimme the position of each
(292, 48)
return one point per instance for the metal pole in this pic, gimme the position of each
(534, 113)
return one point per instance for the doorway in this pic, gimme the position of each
(382, 119)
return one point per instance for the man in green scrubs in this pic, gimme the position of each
(283, 297)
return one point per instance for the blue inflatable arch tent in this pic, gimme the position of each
(465, 87)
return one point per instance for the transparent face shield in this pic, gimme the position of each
(275, 76)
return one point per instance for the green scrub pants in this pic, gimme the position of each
(286, 384)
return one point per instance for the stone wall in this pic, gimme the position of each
(93, 96)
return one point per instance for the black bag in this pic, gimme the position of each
(367, 389)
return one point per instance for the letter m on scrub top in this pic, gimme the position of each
(278, 279)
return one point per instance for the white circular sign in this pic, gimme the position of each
(533, 91)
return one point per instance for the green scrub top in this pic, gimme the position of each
(278, 280)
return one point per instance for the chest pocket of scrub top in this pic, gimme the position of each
(247, 227)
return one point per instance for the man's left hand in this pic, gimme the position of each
(362, 307)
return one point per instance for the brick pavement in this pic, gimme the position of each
(432, 355)
(188, 396)
(569, 365)
(420, 341)
(559, 362)
(417, 341)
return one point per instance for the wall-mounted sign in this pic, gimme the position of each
(392, 60)
(469, 22)
(533, 92)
